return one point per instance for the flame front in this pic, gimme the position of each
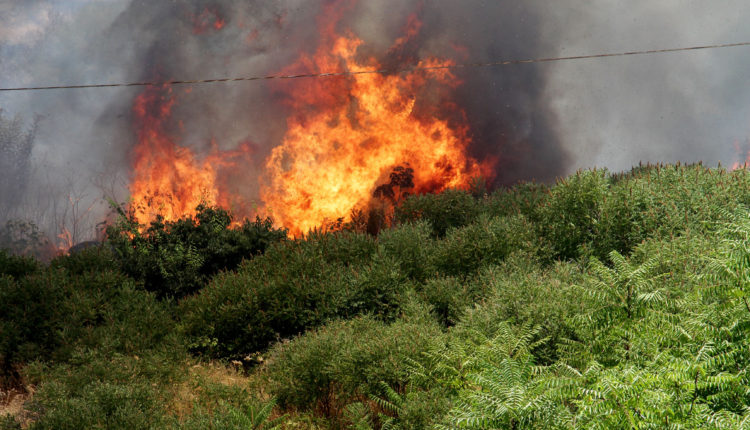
(170, 180)
(349, 132)
(345, 135)
(167, 179)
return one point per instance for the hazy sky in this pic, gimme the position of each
(606, 112)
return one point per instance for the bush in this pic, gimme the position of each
(174, 259)
(378, 289)
(528, 296)
(102, 405)
(451, 208)
(294, 286)
(410, 247)
(571, 213)
(449, 297)
(484, 242)
(522, 199)
(51, 313)
(33, 313)
(17, 266)
(347, 248)
(275, 296)
(94, 259)
(337, 364)
(103, 389)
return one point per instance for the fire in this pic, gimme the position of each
(167, 180)
(348, 133)
(170, 180)
(206, 20)
(345, 135)
(743, 152)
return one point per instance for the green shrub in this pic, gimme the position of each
(629, 215)
(382, 353)
(250, 414)
(93, 259)
(569, 216)
(486, 241)
(33, 313)
(17, 266)
(528, 296)
(51, 313)
(410, 247)
(341, 247)
(451, 208)
(97, 389)
(449, 297)
(522, 199)
(378, 289)
(174, 259)
(336, 364)
(504, 389)
(274, 296)
(103, 405)
(288, 290)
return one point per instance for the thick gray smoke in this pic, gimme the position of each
(539, 121)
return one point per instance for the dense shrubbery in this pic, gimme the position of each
(16, 266)
(451, 208)
(277, 295)
(603, 301)
(176, 258)
(50, 313)
(328, 368)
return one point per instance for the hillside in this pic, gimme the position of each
(602, 301)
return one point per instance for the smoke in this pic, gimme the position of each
(506, 109)
(539, 121)
(659, 108)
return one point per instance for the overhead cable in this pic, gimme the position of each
(377, 71)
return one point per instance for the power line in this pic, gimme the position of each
(381, 71)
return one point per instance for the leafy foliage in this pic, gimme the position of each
(451, 208)
(17, 266)
(324, 369)
(176, 258)
(603, 301)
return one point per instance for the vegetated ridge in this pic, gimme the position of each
(602, 301)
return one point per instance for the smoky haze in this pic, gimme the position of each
(538, 121)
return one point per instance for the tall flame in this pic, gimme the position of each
(345, 135)
(170, 180)
(348, 133)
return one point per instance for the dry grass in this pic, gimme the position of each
(201, 382)
(13, 401)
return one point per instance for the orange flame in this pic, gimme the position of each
(169, 180)
(741, 151)
(344, 137)
(348, 133)
(206, 20)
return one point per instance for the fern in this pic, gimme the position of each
(255, 417)
(621, 298)
(506, 390)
